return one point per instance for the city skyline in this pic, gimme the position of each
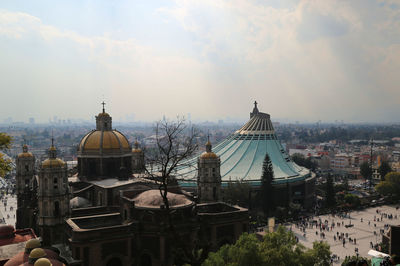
(301, 60)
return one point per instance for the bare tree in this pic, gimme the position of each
(175, 144)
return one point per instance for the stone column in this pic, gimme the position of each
(214, 235)
(162, 249)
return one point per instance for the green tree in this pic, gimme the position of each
(301, 160)
(390, 186)
(237, 192)
(267, 190)
(277, 248)
(383, 169)
(366, 170)
(5, 164)
(352, 199)
(330, 192)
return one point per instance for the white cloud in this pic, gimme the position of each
(329, 60)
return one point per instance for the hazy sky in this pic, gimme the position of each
(301, 60)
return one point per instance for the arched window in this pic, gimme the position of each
(55, 180)
(100, 198)
(56, 209)
(45, 212)
(46, 187)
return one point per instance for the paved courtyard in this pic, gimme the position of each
(367, 226)
(8, 209)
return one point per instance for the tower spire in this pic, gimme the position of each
(103, 103)
(208, 144)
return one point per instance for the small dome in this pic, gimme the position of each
(152, 199)
(136, 150)
(53, 163)
(208, 155)
(25, 154)
(37, 253)
(97, 140)
(42, 262)
(33, 243)
(6, 230)
(103, 114)
(79, 202)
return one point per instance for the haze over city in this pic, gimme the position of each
(301, 60)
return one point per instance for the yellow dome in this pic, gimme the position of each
(136, 150)
(37, 253)
(206, 155)
(103, 114)
(42, 262)
(53, 163)
(33, 243)
(106, 140)
(25, 155)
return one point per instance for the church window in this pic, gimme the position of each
(55, 183)
(125, 214)
(44, 208)
(26, 167)
(56, 209)
(214, 193)
(100, 199)
(45, 184)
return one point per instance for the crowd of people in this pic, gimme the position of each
(335, 229)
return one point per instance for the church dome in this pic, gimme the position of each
(43, 262)
(100, 140)
(208, 154)
(37, 253)
(25, 153)
(32, 243)
(53, 163)
(136, 149)
(152, 199)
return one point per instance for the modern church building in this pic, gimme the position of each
(241, 158)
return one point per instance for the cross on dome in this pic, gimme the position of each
(103, 103)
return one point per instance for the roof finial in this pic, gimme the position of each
(255, 104)
(103, 103)
(52, 138)
(208, 144)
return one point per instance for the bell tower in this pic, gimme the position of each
(209, 176)
(53, 198)
(25, 164)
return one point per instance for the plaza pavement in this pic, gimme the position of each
(362, 231)
(9, 211)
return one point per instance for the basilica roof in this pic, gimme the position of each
(242, 154)
(105, 140)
